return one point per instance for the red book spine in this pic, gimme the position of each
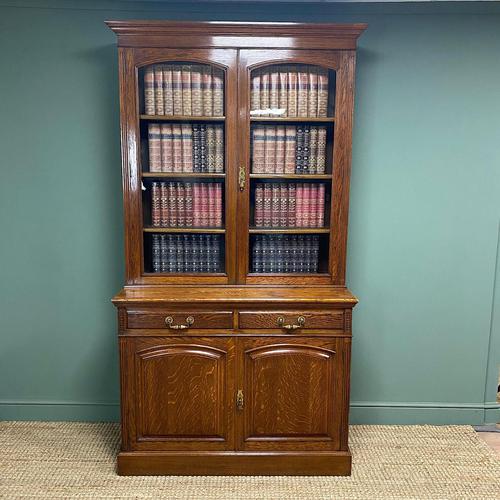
(172, 204)
(188, 204)
(164, 205)
(290, 144)
(177, 89)
(154, 142)
(211, 205)
(267, 206)
(264, 93)
(270, 149)
(166, 148)
(196, 205)
(275, 205)
(258, 150)
(283, 205)
(204, 205)
(280, 150)
(255, 91)
(274, 92)
(306, 205)
(218, 205)
(155, 205)
(181, 206)
(313, 206)
(218, 91)
(322, 92)
(283, 91)
(149, 90)
(259, 206)
(321, 205)
(159, 108)
(177, 147)
(302, 92)
(292, 205)
(312, 105)
(292, 86)
(299, 205)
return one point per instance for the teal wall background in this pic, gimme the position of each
(424, 222)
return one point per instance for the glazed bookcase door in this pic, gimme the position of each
(178, 153)
(292, 166)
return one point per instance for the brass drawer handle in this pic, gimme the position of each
(170, 323)
(301, 321)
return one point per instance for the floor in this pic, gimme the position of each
(77, 460)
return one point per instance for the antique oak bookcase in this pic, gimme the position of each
(235, 321)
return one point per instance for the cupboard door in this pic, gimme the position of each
(294, 394)
(182, 393)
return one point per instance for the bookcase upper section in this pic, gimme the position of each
(236, 145)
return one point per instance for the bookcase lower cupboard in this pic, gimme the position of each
(235, 322)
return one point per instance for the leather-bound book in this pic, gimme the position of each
(159, 110)
(321, 206)
(206, 90)
(290, 146)
(283, 209)
(211, 204)
(177, 89)
(267, 205)
(168, 91)
(179, 249)
(154, 146)
(292, 85)
(196, 205)
(203, 149)
(149, 91)
(219, 148)
(321, 155)
(275, 205)
(299, 150)
(305, 150)
(156, 253)
(163, 253)
(283, 90)
(273, 91)
(155, 205)
(299, 205)
(218, 205)
(188, 204)
(172, 204)
(280, 149)
(258, 149)
(255, 91)
(264, 93)
(259, 205)
(306, 205)
(313, 205)
(218, 91)
(269, 149)
(171, 253)
(196, 92)
(177, 146)
(186, 90)
(312, 104)
(302, 91)
(313, 149)
(187, 147)
(164, 216)
(181, 204)
(204, 205)
(322, 92)
(167, 154)
(196, 147)
(210, 148)
(292, 205)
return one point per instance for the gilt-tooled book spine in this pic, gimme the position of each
(211, 148)
(156, 253)
(273, 90)
(154, 146)
(290, 143)
(177, 147)
(267, 205)
(196, 254)
(305, 150)
(257, 255)
(196, 148)
(321, 155)
(155, 205)
(203, 149)
(292, 205)
(181, 205)
(186, 90)
(278, 253)
(149, 92)
(299, 150)
(315, 255)
(299, 205)
(168, 91)
(218, 205)
(270, 149)
(264, 93)
(306, 206)
(196, 205)
(258, 150)
(292, 86)
(179, 250)
(259, 205)
(202, 253)
(313, 149)
(187, 147)
(196, 92)
(172, 204)
(177, 89)
(308, 255)
(280, 149)
(188, 204)
(283, 91)
(164, 216)
(322, 92)
(166, 147)
(159, 90)
(218, 91)
(255, 91)
(171, 254)
(206, 90)
(211, 205)
(275, 205)
(321, 206)
(302, 92)
(283, 209)
(313, 206)
(312, 105)
(163, 253)
(204, 207)
(219, 148)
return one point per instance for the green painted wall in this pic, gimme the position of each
(424, 206)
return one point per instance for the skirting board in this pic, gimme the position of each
(362, 412)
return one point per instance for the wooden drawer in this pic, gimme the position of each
(312, 320)
(155, 318)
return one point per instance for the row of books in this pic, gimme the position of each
(186, 253)
(187, 147)
(289, 205)
(285, 254)
(178, 204)
(183, 89)
(290, 149)
(292, 91)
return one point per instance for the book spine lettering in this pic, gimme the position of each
(305, 150)
(181, 205)
(154, 146)
(164, 216)
(196, 92)
(204, 208)
(177, 147)
(168, 92)
(264, 93)
(321, 206)
(166, 147)
(255, 91)
(211, 205)
(283, 209)
(269, 149)
(149, 91)
(219, 148)
(290, 144)
(292, 92)
(259, 206)
(188, 204)
(258, 150)
(299, 204)
(313, 150)
(159, 110)
(313, 205)
(177, 89)
(299, 150)
(275, 205)
(172, 204)
(218, 205)
(292, 205)
(156, 253)
(206, 90)
(274, 92)
(210, 148)
(155, 205)
(186, 90)
(283, 91)
(187, 147)
(280, 150)
(312, 105)
(218, 91)
(203, 148)
(196, 205)
(302, 92)
(322, 92)
(267, 206)
(321, 154)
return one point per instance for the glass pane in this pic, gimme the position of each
(182, 89)
(293, 90)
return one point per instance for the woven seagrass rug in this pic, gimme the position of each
(77, 460)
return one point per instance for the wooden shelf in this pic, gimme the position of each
(297, 119)
(291, 176)
(285, 230)
(197, 230)
(178, 118)
(183, 174)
